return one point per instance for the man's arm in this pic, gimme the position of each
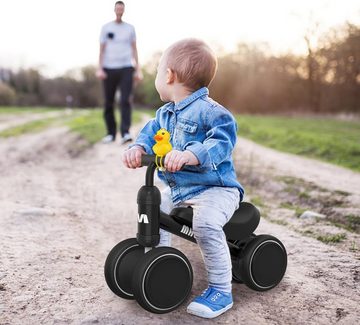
(138, 74)
(101, 74)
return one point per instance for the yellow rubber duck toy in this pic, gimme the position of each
(162, 145)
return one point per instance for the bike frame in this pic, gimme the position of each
(150, 218)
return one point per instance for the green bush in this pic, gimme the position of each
(7, 94)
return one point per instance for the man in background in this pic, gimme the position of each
(118, 66)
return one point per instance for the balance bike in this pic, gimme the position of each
(160, 278)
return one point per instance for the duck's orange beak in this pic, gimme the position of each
(158, 137)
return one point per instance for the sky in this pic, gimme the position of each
(56, 36)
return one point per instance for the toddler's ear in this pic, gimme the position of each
(170, 76)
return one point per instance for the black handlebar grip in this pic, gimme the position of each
(146, 160)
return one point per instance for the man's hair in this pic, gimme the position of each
(119, 3)
(193, 62)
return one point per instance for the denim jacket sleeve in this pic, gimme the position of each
(146, 135)
(219, 142)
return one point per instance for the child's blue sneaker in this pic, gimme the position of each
(211, 303)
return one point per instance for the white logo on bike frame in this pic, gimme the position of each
(187, 231)
(143, 218)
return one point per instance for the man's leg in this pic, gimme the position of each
(126, 84)
(110, 85)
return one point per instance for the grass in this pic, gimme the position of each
(331, 238)
(279, 222)
(22, 110)
(42, 123)
(304, 195)
(326, 139)
(30, 127)
(287, 205)
(257, 201)
(91, 126)
(297, 210)
(351, 223)
(353, 247)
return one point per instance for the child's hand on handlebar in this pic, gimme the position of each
(176, 159)
(132, 157)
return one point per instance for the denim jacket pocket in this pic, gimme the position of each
(186, 125)
(185, 131)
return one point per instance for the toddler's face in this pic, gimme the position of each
(161, 83)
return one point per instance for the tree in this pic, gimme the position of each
(7, 94)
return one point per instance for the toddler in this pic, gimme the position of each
(203, 135)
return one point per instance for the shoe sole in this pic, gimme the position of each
(213, 315)
(126, 141)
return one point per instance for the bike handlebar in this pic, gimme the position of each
(154, 162)
(146, 160)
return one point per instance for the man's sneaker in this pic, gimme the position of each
(108, 139)
(126, 138)
(211, 303)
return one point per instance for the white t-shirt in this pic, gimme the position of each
(118, 38)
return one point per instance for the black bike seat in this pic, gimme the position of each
(243, 222)
(241, 225)
(183, 215)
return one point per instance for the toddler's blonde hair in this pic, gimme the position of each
(193, 62)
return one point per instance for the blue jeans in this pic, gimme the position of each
(212, 209)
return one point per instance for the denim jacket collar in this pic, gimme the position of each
(188, 100)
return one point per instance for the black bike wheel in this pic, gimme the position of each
(263, 263)
(236, 278)
(119, 267)
(236, 248)
(162, 280)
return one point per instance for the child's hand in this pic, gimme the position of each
(132, 157)
(176, 159)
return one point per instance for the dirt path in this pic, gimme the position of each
(290, 185)
(278, 163)
(60, 216)
(9, 121)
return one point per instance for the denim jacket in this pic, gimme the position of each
(208, 130)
